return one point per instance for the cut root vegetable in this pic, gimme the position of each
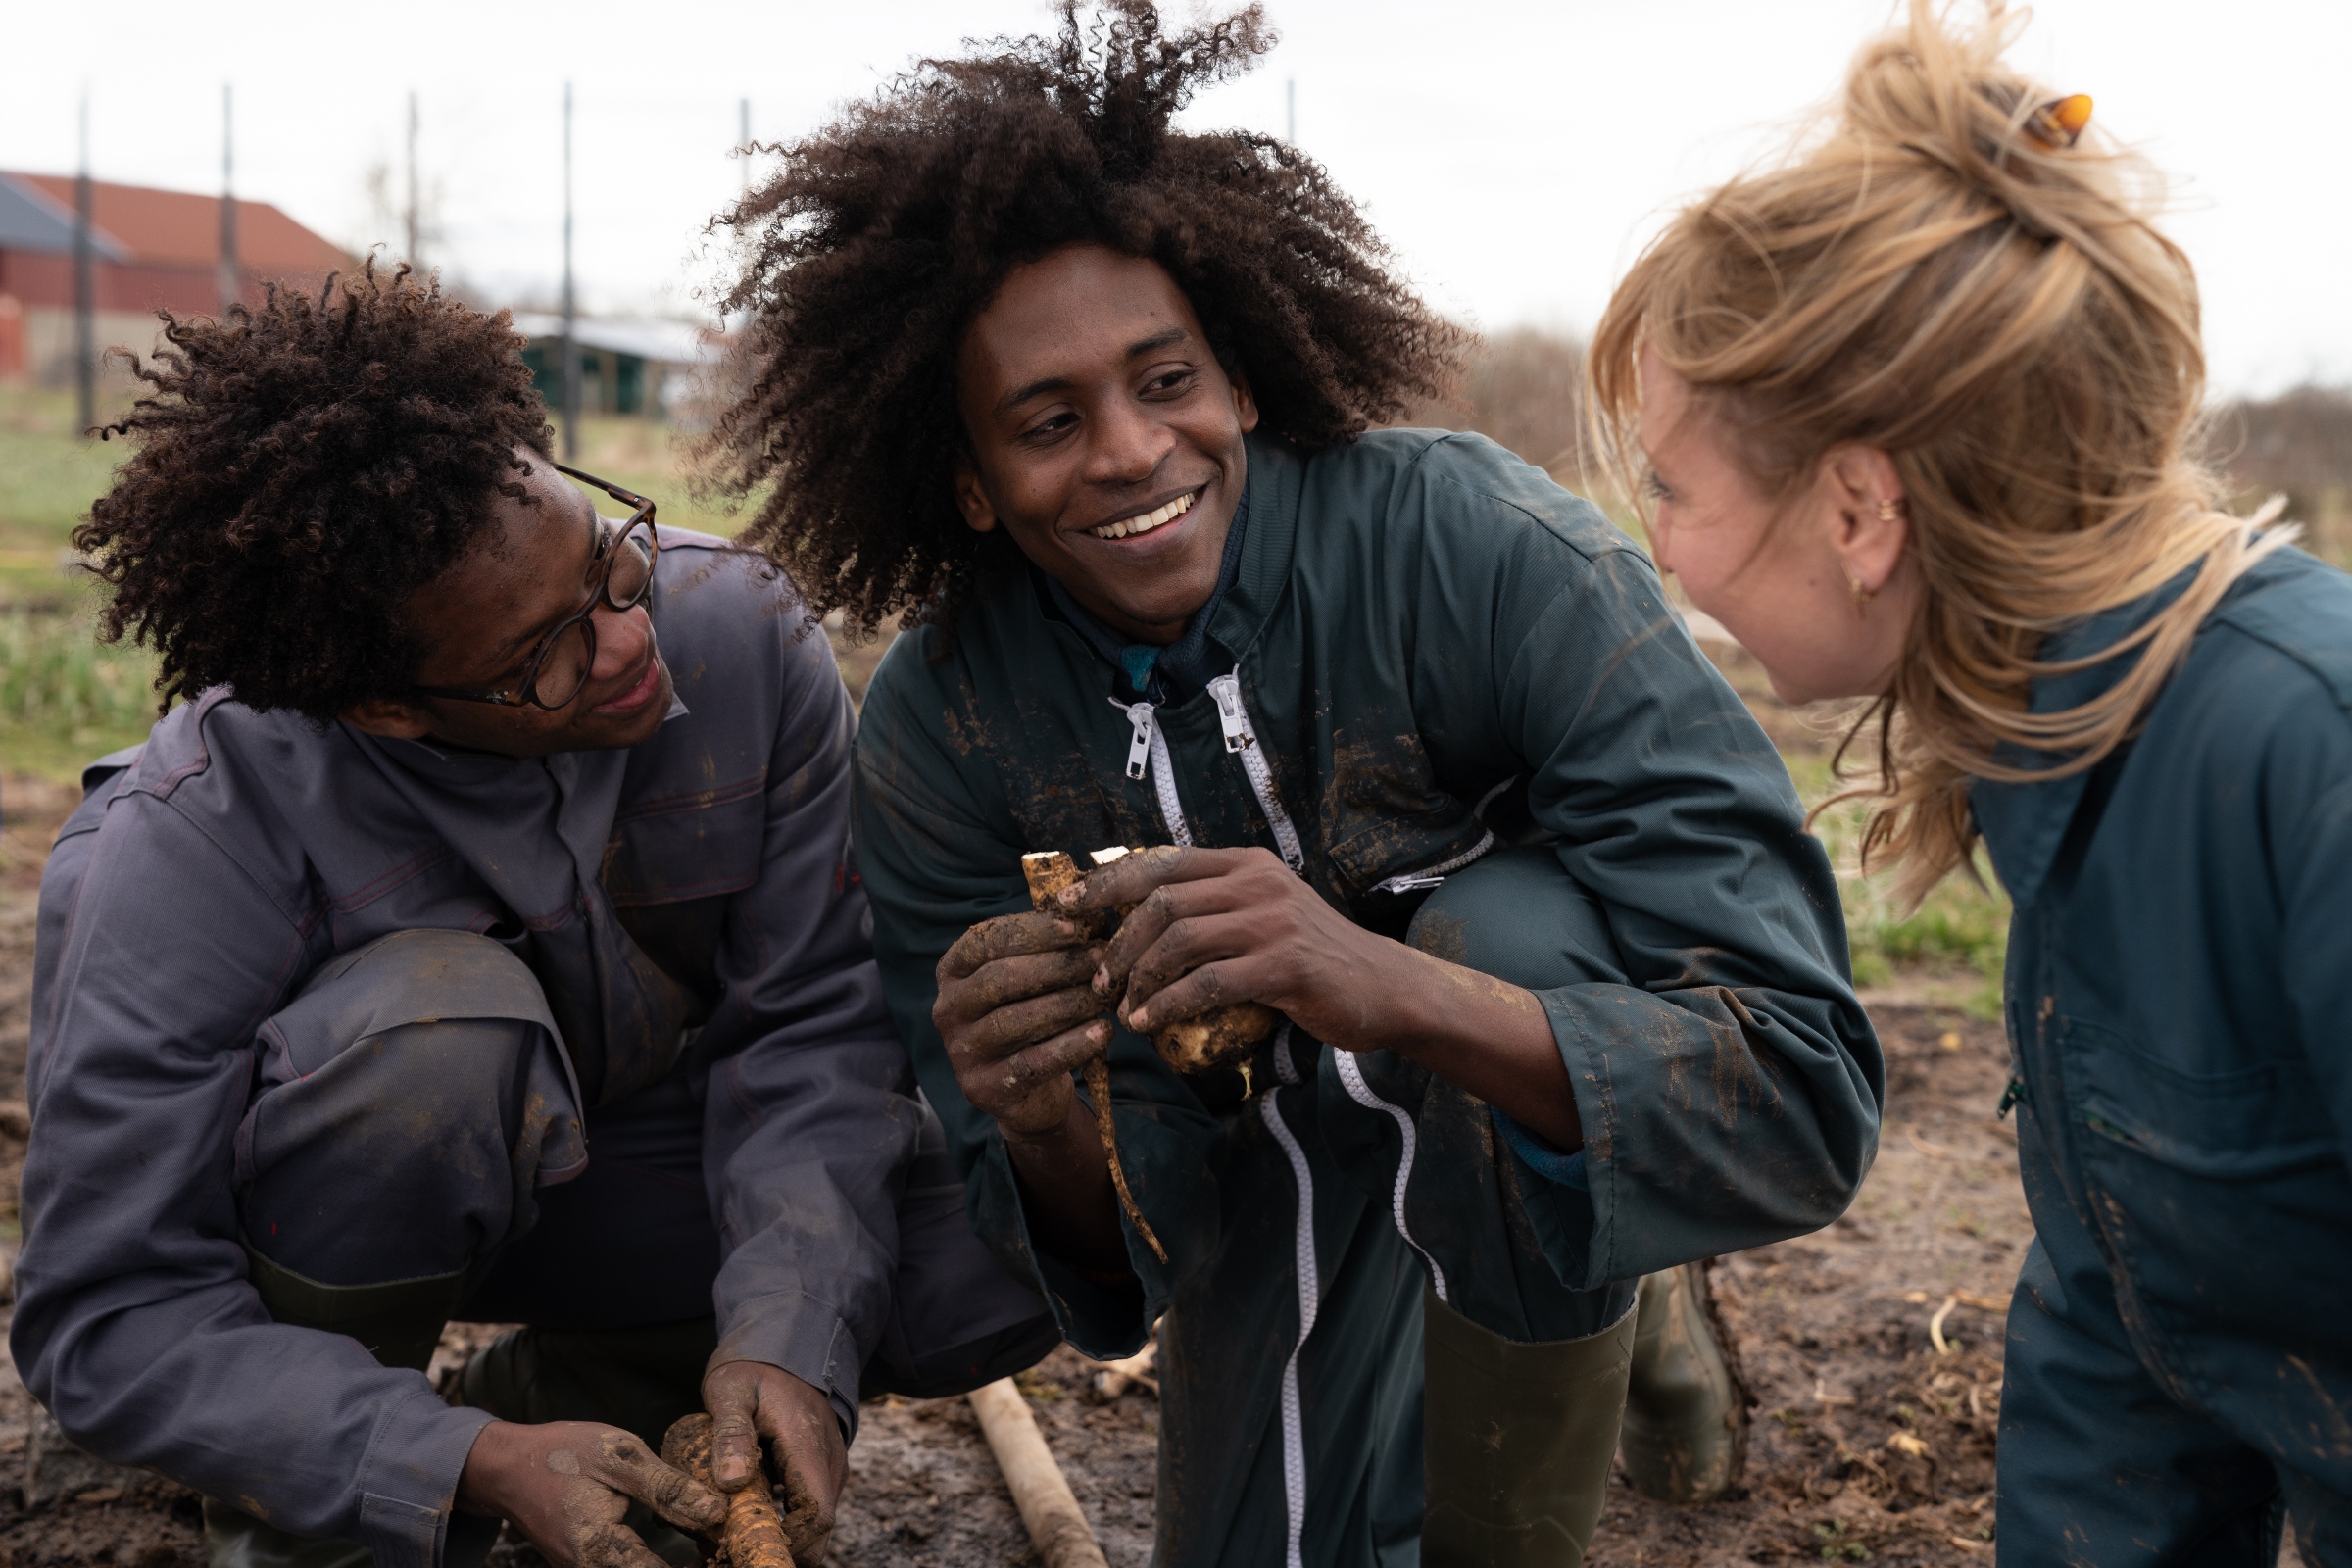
(753, 1535)
(1140, 1370)
(1216, 1037)
(1047, 872)
(1049, 1509)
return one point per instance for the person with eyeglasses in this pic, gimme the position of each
(474, 938)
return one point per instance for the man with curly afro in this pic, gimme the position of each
(1415, 753)
(477, 938)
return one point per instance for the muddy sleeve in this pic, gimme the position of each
(931, 838)
(134, 1322)
(1730, 1092)
(810, 1119)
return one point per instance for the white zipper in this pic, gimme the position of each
(1351, 1075)
(1430, 875)
(1310, 1295)
(1234, 715)
(1147, 756)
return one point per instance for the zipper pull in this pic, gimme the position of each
(1232, 716)
(1139, 750)
(2010, 1096)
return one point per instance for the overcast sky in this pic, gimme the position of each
(1515, 153)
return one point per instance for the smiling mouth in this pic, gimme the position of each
(1128, 528)
(640, 691)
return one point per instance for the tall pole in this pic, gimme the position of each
(572, 358)
(415, 259)
(232, 287)
(743, 140)
(85, 284)
(1290, 100)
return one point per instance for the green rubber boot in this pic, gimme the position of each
(398, 1323)
(1685, 1412)
(1517, 1440)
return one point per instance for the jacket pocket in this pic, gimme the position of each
(1388, 867)
(2263, 1119)
(2219, 1197)
(693, 847)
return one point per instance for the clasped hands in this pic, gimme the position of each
(567, 1484)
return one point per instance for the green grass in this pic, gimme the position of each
(1960, 930)
(64, 696)
(48, 478)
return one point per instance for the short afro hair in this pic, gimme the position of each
(302, 470)
(864, 259)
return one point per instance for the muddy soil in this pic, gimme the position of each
(1869, 1442)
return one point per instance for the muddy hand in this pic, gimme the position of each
(749, 1401)
(1017, 1015)
(567, 1484)
(1217, 926)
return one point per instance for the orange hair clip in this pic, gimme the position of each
(2058, 123)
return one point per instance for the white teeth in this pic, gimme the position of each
(1146, 523)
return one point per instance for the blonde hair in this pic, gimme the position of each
(2003, 320)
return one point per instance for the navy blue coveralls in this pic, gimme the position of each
(2179, 998)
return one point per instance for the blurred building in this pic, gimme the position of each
(636, 366)
(150, 248)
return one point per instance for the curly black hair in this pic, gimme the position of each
(867, 255)
(302, 471)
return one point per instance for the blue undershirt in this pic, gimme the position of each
(1183, 669)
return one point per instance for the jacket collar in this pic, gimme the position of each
(2023, 824)
(1277, 474)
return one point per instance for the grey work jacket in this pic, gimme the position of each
(238, 852)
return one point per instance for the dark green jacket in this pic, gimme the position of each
(1419, 620)
(2177, 999)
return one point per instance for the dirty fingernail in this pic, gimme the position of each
(1103, 978)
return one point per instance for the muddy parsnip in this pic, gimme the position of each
(1047, 874)
(753, 1535)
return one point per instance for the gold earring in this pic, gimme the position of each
(1861, 594)
(1889, 511)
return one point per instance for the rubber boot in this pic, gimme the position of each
(1517, 1440)
(637, 1379)
(1685, 1412)
(398, 1323)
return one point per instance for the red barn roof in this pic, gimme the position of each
(181, 228)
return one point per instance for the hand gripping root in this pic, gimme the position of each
(752, 1536)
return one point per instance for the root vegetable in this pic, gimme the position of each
(753, 1535)
(1047, 874)
(1049, 1509)
(1216, 1037)
(1113, 1378)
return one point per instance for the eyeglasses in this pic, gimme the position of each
(558, 668)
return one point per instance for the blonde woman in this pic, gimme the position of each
(1917, 408)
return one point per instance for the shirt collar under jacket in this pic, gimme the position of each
(1183, 668)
